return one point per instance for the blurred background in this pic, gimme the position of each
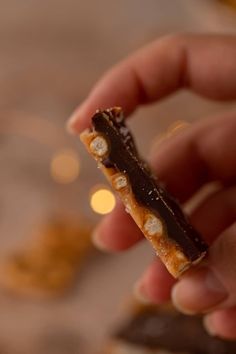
(57, 294)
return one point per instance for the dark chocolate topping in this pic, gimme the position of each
(173, 331)
(148, 193)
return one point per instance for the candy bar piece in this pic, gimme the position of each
(160, 331)
(155, 212)
(49, 266)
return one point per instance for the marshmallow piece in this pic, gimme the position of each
(120, 182)
(99, 146)
(153, 225)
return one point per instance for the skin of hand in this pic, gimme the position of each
(204, 152)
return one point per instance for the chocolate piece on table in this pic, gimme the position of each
(156, 213)
(48, 267)
(158, 331)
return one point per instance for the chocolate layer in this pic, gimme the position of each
(174, 332)
(148, 193)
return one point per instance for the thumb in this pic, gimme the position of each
(212, 285)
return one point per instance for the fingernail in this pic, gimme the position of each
(198, 292)
(179, 303)
(139, 293)
(208, 325)
(97, 241)
(70, 125)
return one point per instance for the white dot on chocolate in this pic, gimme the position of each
(153, 225)
(99, 146)
(120, 182)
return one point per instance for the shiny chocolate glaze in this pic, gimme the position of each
(124, 157)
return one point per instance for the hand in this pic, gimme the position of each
(204, 152)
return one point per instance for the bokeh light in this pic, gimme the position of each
(65, 166)
(102, 200)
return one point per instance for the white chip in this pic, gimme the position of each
(153, 225)
(99, 146)
(120, 182)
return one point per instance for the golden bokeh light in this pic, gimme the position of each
(65, 166)
(102, 200)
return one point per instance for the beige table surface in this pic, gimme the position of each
(51, 52)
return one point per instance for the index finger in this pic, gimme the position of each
(204, 64)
